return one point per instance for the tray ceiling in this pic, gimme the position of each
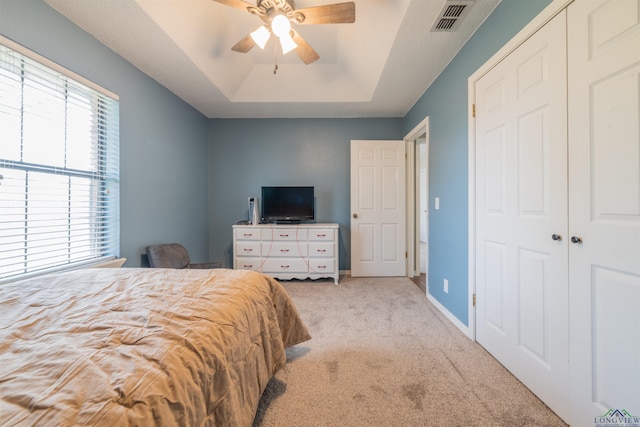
(376, 67)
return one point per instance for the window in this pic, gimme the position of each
(59, 167)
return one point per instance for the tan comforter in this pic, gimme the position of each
(143, 347)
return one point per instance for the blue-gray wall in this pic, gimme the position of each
(446, 104)
(163, 141)
(246, 154)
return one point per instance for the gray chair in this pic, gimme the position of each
(173, 255)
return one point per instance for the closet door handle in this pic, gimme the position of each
(556, 237)
(576, 239)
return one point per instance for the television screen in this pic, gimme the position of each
(288, 204)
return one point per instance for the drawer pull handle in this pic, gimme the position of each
(322, 250)
(248, 250)
(248, 234)
(321, 235)
(284, 266)
(248, 266)
(284, 250)
(284, 235)
(322, 266)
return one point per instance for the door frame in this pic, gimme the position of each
(413, 200)
(548, 13)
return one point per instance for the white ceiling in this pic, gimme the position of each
(376, 67)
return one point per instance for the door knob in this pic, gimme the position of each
(355, 215)
(576, 239)
(556, 237)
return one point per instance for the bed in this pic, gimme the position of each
(141, 347)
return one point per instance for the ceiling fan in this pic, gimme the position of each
(278, 15)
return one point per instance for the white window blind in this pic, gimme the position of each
(59, 167)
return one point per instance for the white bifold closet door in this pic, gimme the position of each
(558, 212)
(521, 214)
(604, 207)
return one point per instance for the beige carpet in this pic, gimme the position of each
(382, 355)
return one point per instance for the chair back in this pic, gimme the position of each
(168, 255)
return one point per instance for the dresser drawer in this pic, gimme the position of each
(247, 233)
(247, 263)
(322, 234)
(319, 265)
(284, 249)
(285, 234)
(321, 249)
(285, 265)
(247, 248)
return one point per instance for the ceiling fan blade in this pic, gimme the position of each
(339, 13)
(304, 50)
(244, 45)
(238, 4)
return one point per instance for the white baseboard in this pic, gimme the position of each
(453, 319)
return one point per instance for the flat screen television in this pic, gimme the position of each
(288, 204)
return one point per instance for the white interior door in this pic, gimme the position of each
(422, 221)
(378, 211)
(604, 208)
(521, 214)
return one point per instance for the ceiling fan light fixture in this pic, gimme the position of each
(287, 43)
(280, 25)
(278, 15)
(261, 36)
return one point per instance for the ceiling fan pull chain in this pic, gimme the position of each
(275, 58)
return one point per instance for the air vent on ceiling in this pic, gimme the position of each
(452, 15)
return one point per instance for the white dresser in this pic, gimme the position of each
(287, 251)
